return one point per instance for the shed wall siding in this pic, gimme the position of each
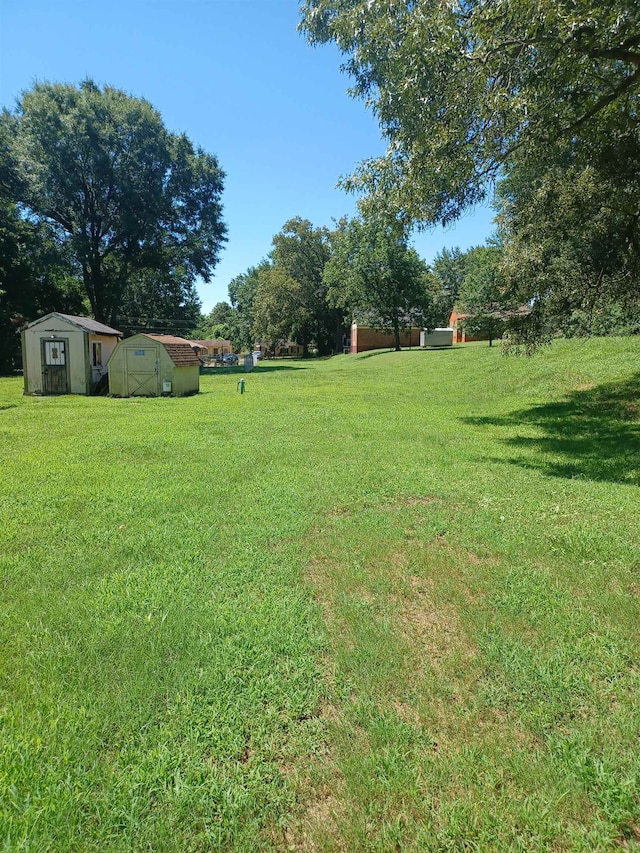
(108, 345)
(82, 376)
(76, 356)
(436, 338)
(184, 380)
(120, 384)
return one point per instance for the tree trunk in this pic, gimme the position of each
(396, 333)
(339, 332)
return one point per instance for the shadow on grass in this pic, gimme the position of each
(262, 367)
(593, 434)
(372, 353)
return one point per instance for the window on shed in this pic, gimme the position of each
(55, 354)
(96, 354)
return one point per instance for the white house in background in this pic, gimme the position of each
(64, 354)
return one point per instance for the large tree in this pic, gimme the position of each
(448, 269)
(242, 295)
(218, 323)
(119, 191)
(280, 311)
(571, 235)
(461, 88)
(377, 277)
(483, 294)
(34, 279)
(302, 252)
(160, 303)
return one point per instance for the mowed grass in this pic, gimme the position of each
(385, 602)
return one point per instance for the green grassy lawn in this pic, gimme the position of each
(378, 602)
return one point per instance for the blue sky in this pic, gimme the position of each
(241, 82)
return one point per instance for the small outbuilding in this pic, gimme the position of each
(436, 338)
(152, 366)
(65, 354)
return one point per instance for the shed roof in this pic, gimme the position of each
(87, 324)
(180, 350)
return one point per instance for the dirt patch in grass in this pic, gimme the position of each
(322, 804)
(388, 505)
(317, 829)
(630, 837)
(318, 571)
(435, 625)
(417, 500)
(456, 553)
(340, 512)
(414, 672)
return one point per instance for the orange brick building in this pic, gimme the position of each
(365, 338)
(459, 334)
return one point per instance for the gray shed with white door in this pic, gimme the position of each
(65, 354)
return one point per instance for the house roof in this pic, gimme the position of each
(217, 343)
(87, 324)
(180, 350)
(494, 309)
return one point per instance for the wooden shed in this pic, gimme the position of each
(64, 354)
(153, 365)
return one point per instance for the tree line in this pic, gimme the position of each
(317, 280)
(531, 104)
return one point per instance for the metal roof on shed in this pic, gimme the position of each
(87, 324)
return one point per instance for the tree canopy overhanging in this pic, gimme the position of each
(462, 88)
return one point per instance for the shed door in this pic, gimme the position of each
(55, 366)
(141, 367)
